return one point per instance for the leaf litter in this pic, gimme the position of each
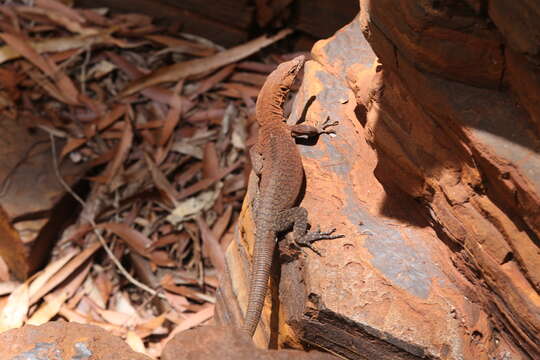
(163, 119)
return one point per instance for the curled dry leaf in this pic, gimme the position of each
(160, 181)
(14, 312)
(48, 309)
(211, 245)
(64, 272)
(211, 81)
(222, 222)
(191, 206)
(203, 184)
(178, 302)
(181, 45)
(43, 277)
(199, 66)
(68, 23)
(154, 326)
(61, 8)
(210, 161)
(65, 85)
(7, 287)
(120, 155)
(135, 342)
(168, 284)
(12, 249)
(54, 301)
(173, 116)
(192, 320)
(132, 237)
(239, 91)
(8, 53)
(155, 93)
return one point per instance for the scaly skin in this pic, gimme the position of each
(278, 165)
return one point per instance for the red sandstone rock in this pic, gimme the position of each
(62, 340)
(226, 343)
(433, 178)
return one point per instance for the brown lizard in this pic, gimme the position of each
(277, 163)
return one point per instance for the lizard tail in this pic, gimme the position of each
(260, 273)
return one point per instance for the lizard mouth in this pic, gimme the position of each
(299, 62)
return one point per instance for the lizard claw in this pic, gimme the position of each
(326, 124)
(309, 238)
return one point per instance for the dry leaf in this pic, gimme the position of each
(211, 245)
(54, 45)
(186, 209)
(69, 91)
(135, 342)
(192, 320)
(222, 222)
(43, 277)
(203, 184)
(173, 116)
(71, 145)
(160, 181)
(101, 69)
(181, 45)
(154, 326)
(64, 272)
(178, 302)
(60, 8)
(12, 249)
(211, 81)
(238, 91)
(211, 166)
(121, 153)
(199, 66)
(132, 237)
(49, 308)
(14, 312)
(7, 287)
(112, 116)
(116, 318)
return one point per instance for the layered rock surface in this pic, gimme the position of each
(433, 178)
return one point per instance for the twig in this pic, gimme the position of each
(109, 252)
(82, 78)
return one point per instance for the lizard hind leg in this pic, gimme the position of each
(297, 218)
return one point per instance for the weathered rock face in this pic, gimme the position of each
(226, 343)
(62, 340)
(455, 118)
(433, 178)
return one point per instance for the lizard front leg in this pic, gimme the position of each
(304, 130)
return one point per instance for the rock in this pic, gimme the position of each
(433, 178)
(226, 343)
(61, 340)
(473, 148)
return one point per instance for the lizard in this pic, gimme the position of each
(279, 173)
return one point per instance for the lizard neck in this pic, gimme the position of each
(269, 107)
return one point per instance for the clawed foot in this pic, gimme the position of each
(326, 124)
(309, 238)
(307, 131)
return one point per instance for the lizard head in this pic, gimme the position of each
(276, 88)
(290, 70)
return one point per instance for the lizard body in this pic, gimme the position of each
(277, 163)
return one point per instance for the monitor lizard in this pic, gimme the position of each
(279, 174)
